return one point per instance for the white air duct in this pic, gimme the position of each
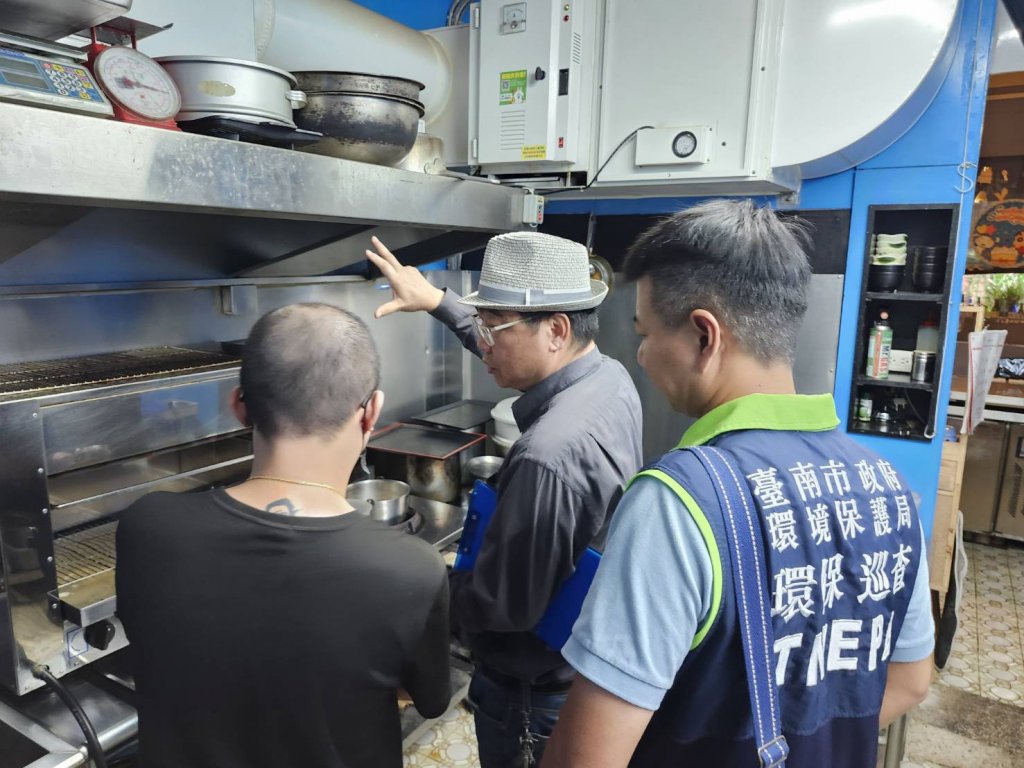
(298, 35)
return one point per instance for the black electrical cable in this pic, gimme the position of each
(92, 741)
(603, 165)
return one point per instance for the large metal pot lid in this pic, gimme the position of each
(222, 60)
(326, 72)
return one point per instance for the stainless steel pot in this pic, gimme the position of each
(246, 90)
(388, 499)
(370, 128)
(482, 468)
(358, 82)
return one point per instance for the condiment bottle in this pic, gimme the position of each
(879, 348)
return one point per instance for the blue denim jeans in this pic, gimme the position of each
(498, 713)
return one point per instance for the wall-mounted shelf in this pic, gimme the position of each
(911, 405)
(895, 380)
(904, 296)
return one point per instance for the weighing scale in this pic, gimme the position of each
(140, 89)
(49, 75)
(104, 80)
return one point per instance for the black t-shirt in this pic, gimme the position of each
(264, 640)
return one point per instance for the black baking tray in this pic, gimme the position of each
(426, 441)
(463, 414)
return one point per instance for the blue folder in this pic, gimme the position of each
(555, 625)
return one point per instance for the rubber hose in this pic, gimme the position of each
(92, 741)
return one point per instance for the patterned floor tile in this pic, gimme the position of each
(451, 741)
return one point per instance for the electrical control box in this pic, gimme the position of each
(534, 84)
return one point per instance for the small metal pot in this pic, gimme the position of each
(388, 499)
(481, 468)
(247, 90)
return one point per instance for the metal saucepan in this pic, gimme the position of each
(388, 499)
(246, 90)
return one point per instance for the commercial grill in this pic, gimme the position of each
(82, 438)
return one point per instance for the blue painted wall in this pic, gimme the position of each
(922, 167)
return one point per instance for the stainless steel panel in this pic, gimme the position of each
(54, 19)
(103, 429)
(983, 470)
(1010, 517)
(814, 370)
(32, 631)
(94, 492)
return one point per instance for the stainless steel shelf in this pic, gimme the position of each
(76, 159)
(84, 185)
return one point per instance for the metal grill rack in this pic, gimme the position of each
(85, 553)
(49, 376)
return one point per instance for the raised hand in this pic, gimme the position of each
(410, 291)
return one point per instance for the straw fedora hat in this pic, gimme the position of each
(533, 272)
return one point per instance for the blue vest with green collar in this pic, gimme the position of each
(844, 544)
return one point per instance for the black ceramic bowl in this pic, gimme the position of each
(885, 277)
(929, 281)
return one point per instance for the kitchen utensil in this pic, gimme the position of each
(358, 82)
(268, 134)
(245, 90)
(505, 425)
(429, 459)
(388, 498)
(370, 128)
(481, 468)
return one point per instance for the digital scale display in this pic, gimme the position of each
(49, 83)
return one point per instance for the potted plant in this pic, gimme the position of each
(1004, 290)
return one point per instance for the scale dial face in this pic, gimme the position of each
(137, 83)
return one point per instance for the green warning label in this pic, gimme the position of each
(513, 87)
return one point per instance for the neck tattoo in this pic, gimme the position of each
(283, 507)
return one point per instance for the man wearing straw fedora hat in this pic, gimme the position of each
(533, 322)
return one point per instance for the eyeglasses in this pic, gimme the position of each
(486, 332)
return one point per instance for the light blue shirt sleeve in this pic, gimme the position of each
(650, 594)
(917, 636)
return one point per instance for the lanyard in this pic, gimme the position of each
(749, 577)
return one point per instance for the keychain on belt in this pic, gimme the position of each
(527, 740)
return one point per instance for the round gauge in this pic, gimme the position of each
(684, 144)
(601, 270)
(137, 83)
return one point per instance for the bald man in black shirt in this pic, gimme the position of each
(268, 626)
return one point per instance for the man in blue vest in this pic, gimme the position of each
(721, 291)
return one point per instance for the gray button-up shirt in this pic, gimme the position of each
(581, 444)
